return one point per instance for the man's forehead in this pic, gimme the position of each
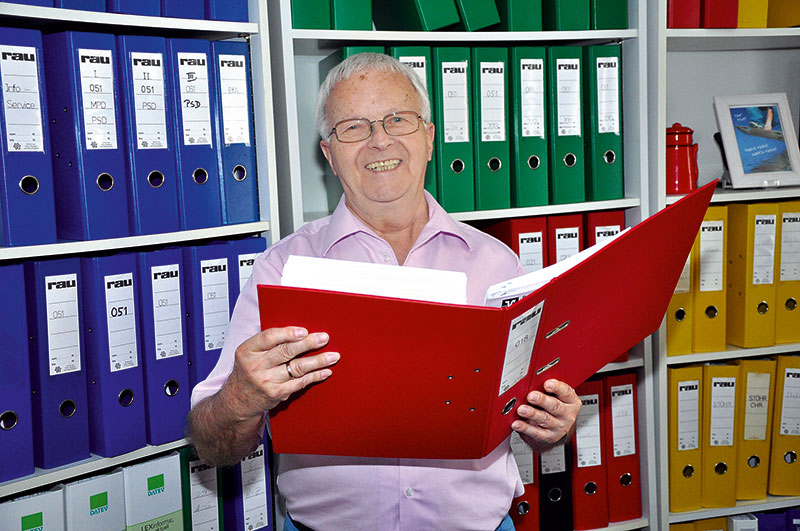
(358, 90)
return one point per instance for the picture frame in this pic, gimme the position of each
(759, 141)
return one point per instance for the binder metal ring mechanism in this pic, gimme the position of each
(590, 488)
(494, 164)
(125, 397)
(680, 314)
(753, 461)
(457, 166)
(711, 312)
(534, 161)
(509, 406)
(790, 457)
(67, 408)
(721, 468)
(609, 156)
(763, 307)
(554, 495)
(626, 479)
(171, 388)
(570, 159)
(688, 471)
(29, 185)
(239, 173)
(523, 508)
(155, 179)
(200, 176)
(8, 420)
(791, 303)
(105, 181)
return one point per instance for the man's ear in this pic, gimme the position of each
(325, 146)
(430, 130)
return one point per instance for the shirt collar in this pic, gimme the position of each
(343, 224)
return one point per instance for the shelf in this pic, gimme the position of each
(626, 525)
(94, 246)
(733, 353)
(772, 502)
(56, 19)
(701, 40)
(93, 465)
(764, 194)
(631, 363)
(586, 206)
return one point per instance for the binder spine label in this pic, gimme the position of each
(684, 284)
(532, 90)
(606, 232)
(214, 281)
(167, 311)
(121, 320)
(234, 96)
(790, 246)
(96, 69)
(418, 65)
(723, 394)
(790, 409)
(63, 328)
(764, 249)
(246, 262)
(623, 422)
(756, 406)
(455, 101)
(521, 338)
(608, 95)
(254, 490)
(688, 415)
(712, 259)
(22, 102)
(148, 96)
(566, 242)
(523, 455)
(195, 106)
(531, 253)
(568, 96)
(204, 489)
(493, 106)
(553, 460)
(587, 432)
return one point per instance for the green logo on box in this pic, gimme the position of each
(32, 522)
(155, 485)
(98, 503)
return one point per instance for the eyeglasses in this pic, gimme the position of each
(395, 124)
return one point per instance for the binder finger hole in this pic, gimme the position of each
(105, 182)
(554, 494)
(8, 420)
(171, 388)
(29, 185)
(609, 156)
(711, 312)
(721, 469)
(523, 508)
(509, 406)
(534, 162)
(791, 303)
(570, 160)
(457, 166)
(753, 461)
(626, 480)
(790, 457)
(763, 307)
(67, 408)
(125, 398)
(155, 178)
(590, 488)
(239, 173)
(680, 314)
(495, 164)
(688, 471)
(200, 176)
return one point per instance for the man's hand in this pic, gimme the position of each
(548, 420)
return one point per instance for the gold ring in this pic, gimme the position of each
(289, 371)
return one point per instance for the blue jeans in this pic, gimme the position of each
(506, 525)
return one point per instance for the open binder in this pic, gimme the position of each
(443, 381)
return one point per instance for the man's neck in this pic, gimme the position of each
(399, 225)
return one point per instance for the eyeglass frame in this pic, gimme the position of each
(371, 126)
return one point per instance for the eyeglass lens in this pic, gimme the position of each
(395, 124)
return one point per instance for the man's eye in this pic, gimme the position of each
(353, 127)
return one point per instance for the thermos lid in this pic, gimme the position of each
(679, 135)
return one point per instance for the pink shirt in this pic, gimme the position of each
(351, 493)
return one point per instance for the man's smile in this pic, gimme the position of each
(383, 165)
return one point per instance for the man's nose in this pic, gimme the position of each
(379, 139)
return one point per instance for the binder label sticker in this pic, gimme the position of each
(97, 93)
(455, 102)
(532, 90)
(608, 95)
(167, 312)
(214, 280)
(712, 259)
(523, 455)
(587, 432)
(148, 97)
(531, 253)
(63, 330)
(566, 242)
(418, 64)
(521, 337)
(22, 103)
(623, 424)
(246, 262)
(723, 395)
(688, 415)
(568, 96)
(121, 321)
(790, 409)
(764, 249)
(205, 502)
(195, 106)
(756, 406)
(790, 246)
(234, 95)
(254, 489)
(493, 102)
(605, 232)
(553, 460)
(684, 284)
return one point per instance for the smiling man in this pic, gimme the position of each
(373, 115)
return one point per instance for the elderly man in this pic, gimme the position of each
(373, 116)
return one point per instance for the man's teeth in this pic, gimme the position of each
(383, 165)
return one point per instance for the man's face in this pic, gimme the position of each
(382, 168)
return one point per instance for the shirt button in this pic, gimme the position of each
(409, 492)
(386, 258)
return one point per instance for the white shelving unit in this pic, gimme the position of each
(55, 19)
(686, 69)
